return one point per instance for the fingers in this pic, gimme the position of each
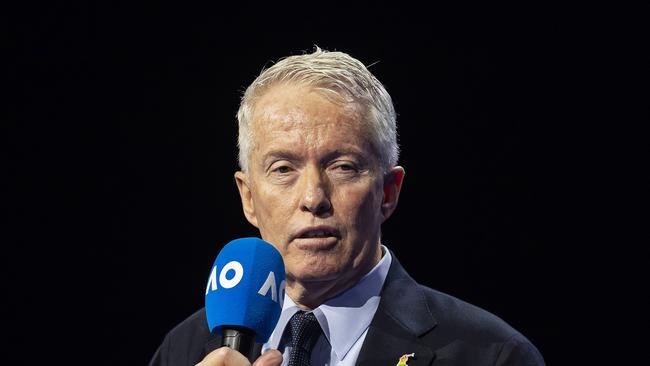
(225, 356)
(272, 357)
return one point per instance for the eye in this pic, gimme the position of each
(282, 169)
(346, 167)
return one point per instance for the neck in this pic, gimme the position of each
(309, 295)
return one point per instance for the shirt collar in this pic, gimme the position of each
(343, 318)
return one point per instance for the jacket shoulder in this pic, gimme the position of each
(460, 317)
(463, 326)
(185, 343)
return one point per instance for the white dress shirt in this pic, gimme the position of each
(344, 320)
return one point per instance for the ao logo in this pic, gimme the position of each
(277, 293)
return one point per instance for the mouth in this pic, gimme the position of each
(317, 238)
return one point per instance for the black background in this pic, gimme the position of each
(122, 147)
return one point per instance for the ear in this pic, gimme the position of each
(246, 195)
(392, 186)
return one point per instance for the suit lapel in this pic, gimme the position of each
(402, 317)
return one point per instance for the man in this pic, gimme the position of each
(319, 175)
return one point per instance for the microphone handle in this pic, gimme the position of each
(240, 339)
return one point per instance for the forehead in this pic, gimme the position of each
(293, 111)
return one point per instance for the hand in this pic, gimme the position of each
(226, 356)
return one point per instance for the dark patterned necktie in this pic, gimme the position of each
(305, 331)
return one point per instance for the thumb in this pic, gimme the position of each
(272, 357)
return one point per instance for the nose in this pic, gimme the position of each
(315, 195)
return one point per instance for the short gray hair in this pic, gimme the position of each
(339, 77)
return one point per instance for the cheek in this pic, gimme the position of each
(362, 208)
(272, 210)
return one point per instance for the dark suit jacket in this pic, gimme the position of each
(438, 328)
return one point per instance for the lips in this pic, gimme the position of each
(320, 231)
(314, 239)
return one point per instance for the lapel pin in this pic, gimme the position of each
(404, 358)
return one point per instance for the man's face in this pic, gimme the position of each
(315, 188)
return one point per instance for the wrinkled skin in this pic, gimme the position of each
(316, 191)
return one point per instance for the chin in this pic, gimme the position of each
(316, 273)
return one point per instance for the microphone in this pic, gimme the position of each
(244, 294)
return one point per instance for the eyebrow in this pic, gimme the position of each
(280, 155)
(343, 152)
(292, 156)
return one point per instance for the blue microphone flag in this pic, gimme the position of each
(246, 288)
